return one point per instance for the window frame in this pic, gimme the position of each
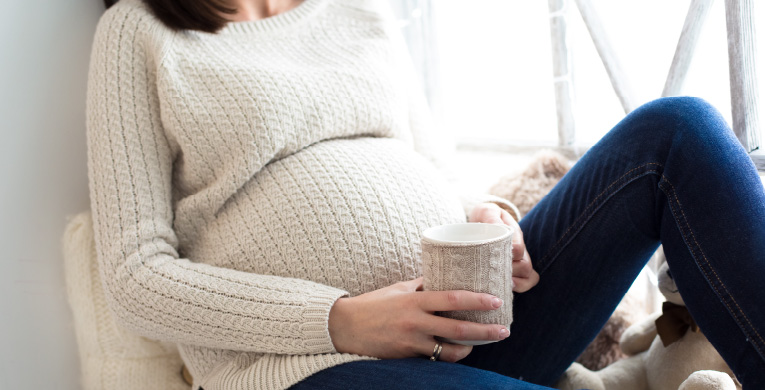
(418, 21)
(759, 161)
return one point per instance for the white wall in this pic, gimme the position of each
(44, 52)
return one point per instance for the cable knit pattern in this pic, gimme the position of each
(241, 182)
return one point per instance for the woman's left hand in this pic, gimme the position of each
(524, 276)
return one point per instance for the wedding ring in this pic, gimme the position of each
(436, 352)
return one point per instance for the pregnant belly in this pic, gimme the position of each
(346, 213)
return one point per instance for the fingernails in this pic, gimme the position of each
(496, 302)
(503, 333)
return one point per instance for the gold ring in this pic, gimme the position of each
(436, 352)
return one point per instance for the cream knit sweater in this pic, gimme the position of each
(241, 182)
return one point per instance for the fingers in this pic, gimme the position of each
(486, 213)
(519, 246)
(412, 285)
(524, 275)
(508, 219)
(449, 352)
(457, 300)
(522, 267)
(521, 285)
(464, 330)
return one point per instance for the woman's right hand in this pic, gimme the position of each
(398, 321)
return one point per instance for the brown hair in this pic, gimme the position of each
(201, 15)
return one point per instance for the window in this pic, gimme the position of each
(494, 65)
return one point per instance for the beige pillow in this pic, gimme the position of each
(111, 357)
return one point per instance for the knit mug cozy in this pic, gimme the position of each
(474, 257)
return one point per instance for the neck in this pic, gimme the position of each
(249, 10)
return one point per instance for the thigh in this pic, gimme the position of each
(411, 373)
(588, 239)
(581, 283)
(591, 236)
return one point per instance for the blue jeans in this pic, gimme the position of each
(672, 172)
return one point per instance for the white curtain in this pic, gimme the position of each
(417, 22)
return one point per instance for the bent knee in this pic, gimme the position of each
(682, 108)
(687, 117)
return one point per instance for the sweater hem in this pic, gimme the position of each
(316, 327)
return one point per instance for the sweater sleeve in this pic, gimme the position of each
(149, 288)
(426, 142)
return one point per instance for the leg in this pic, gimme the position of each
(408, 374)
(670, 172)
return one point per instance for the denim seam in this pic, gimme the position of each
(586, 215)
(725, 292)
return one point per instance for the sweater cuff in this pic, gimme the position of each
(316, 326)
(469, 201)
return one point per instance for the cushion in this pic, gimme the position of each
(111, 357)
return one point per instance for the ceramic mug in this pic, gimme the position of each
(474, 257)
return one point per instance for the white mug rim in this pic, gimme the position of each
(501, 235)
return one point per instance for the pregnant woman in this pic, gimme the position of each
(260, 173)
